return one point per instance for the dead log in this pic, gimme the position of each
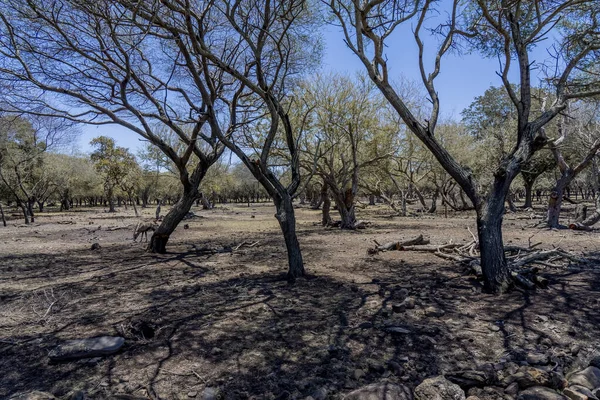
(521, 280)
(419, 240)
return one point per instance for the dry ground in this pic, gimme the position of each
(227, 321)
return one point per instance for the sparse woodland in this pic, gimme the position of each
(307, 233)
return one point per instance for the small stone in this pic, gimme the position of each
(578, 393)
(320, 394)
(512, 389)
(192, 394)
(434, 312)
(398, 308)
(438, 388)
(540, 393)
(527, 377)
(589, 378)
(595, 362)
(380, 391)
(216, 351)
(365, 325)
(210, 393)
(537, 359)
(575, 349)
(358, 374)
(95, 246)
(494, 328)
(86, 348)
(409, 303)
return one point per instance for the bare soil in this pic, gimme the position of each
(203, 317)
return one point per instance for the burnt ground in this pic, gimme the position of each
(197, 319)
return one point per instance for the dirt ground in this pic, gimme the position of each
(198, 322)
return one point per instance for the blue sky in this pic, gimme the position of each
(462, 78)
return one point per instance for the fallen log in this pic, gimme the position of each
(419, 240)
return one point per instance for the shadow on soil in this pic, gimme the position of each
(194, 321)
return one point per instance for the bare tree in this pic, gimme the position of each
(258, 47)
(92, 63)
(506, 30)
(580, 130)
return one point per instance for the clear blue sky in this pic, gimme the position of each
(460, 81)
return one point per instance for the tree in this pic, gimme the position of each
(505, 30)
(113, 163)
(347, 129)
(90, 62)
(256, 49)
(22, 145)
(581, 131)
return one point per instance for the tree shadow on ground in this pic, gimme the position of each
(229, 321)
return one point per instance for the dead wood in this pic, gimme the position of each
(419, 240)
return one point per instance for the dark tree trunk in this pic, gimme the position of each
(24, 210)
(2, 215)
(326, 220)
(372, 200)
(554, 205)
(345, 207)
(287, 221)
(41, 206)
(159, 239)
(434, 199)
(30, 203)
(528, 194)
(491, 246)
(111, 201)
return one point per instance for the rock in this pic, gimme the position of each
(527, 377)
(380, 391)
(398, 308)
(320, 394)
(409, 303)
(488, 393)
(210, 393)
(95, 246)
(434, 312)
(473, 398)
(192, 394)
(595, 362)
(589, 378)
(358, 374)
(35, 395)
(438, 388)
(537, 359)
(575, 394)
(86, 348)
(540, 393)
(512, 389)
(471, 378)
(397, 330)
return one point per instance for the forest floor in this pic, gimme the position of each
(200, 321)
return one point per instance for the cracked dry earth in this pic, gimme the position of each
(203, 321)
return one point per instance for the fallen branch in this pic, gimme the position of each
(419, 240)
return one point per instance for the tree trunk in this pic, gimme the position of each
(25, 212)
(111, 201)
(287, 222)
(30, 203)
(433, 207)
(491, 246)
(41, 206)
(137, 214)
(160, 237)
(2, 215)
(371, 199)
(554, 205)
(528, 194)
(326, 220)
(345, 206)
